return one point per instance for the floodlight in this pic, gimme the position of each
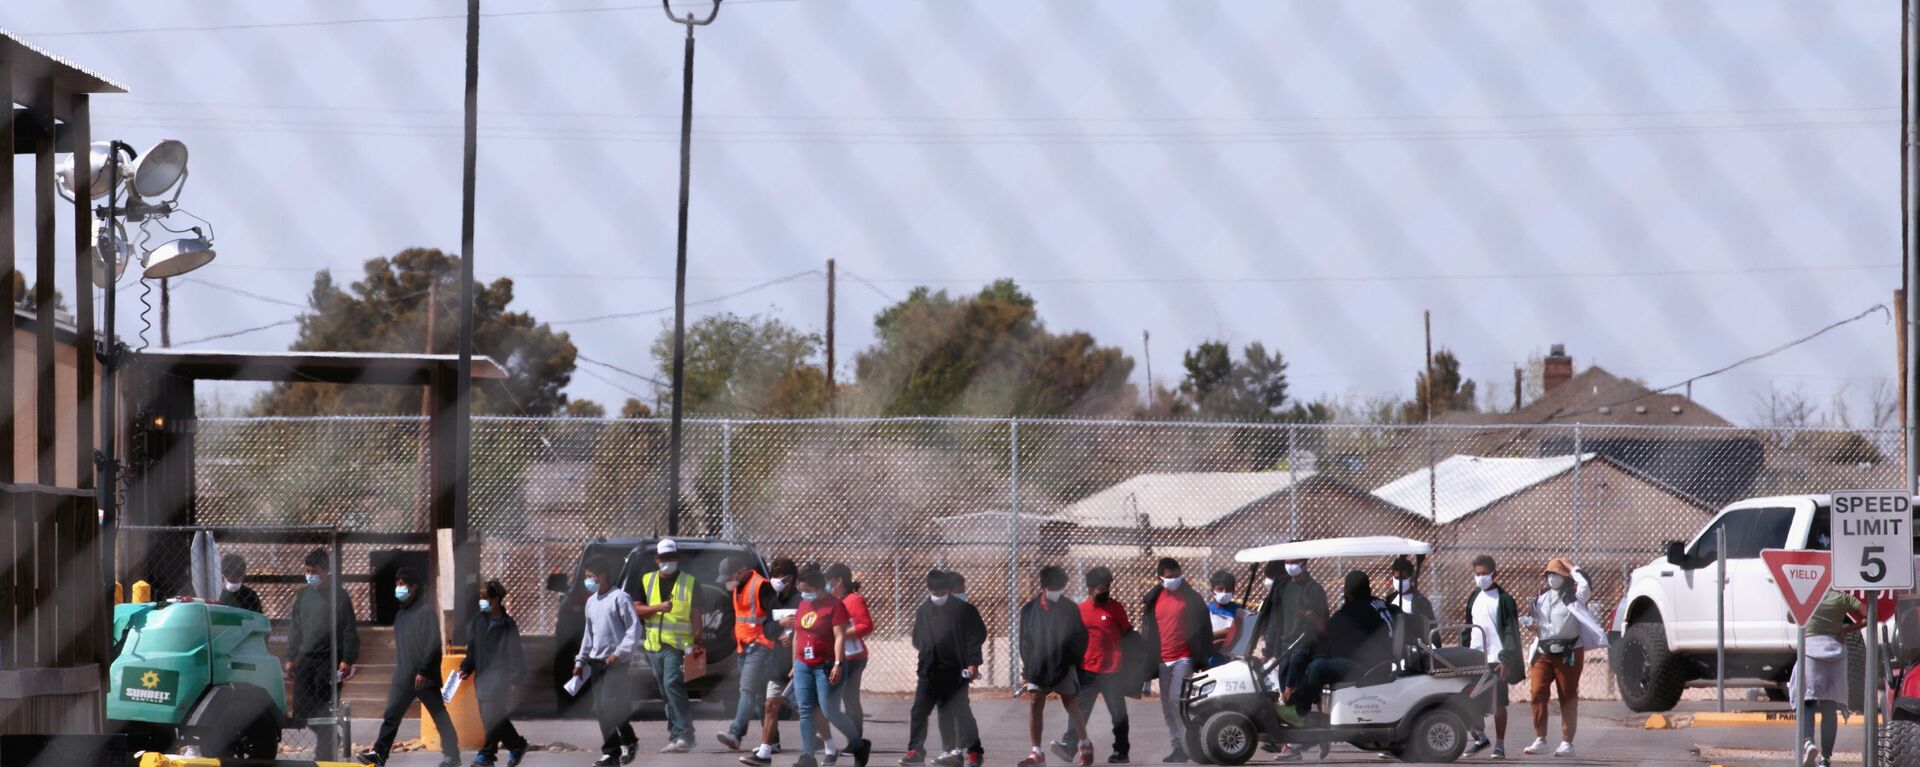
(178, 257)
(159, 170)
(98, 184)
(103, 271)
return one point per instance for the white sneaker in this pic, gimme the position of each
(1539, 747)
(1565, 749)
(1809, 755)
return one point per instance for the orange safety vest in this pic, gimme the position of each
(748, 616)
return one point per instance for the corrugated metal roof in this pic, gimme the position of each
(1177, 500)
(1464, 484)
(68, 75)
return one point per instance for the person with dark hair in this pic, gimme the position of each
(233, 572)
(1174, 620)
(607, 640)
(416, 672)
(1266, 626)
(1102, 672)
(496, 662)
(819, 655)
(752, 613)
(1359, 637)
(1495, 622)
(1407, 601)
(940, 670)
(780, 601)
(1052, 643)
(847, 698)
(1299, 623)
(323, 644)
(958, 720)
(1228, 617)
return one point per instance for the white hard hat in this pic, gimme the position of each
(666, 546)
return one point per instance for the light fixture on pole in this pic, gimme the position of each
(177, 257)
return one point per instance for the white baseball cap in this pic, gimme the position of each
(666, 546)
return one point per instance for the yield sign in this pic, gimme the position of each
(1802, 577)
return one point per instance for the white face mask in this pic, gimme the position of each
(1555, 581)
(1483, 582)
(1223, 597)
(938, 599)
(779, 584)
(233, 587)
(669, 568)
(1054, 596)
(1171, 583)
(485, 605)
(1294, 571)
(1403, 585)
(1267, 582)
(401, 593)
(809, 595)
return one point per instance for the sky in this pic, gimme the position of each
(1664, 187)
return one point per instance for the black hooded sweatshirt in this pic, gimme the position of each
(1053, 640)
(946, 636)
(416, 641)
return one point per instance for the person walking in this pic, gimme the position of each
(1495, 622)
(496, 661)
(1823, 674)
(323, 644)
(1053, 640)
(416, 673)
(753, 597)
(940, 669)
(1555, 661)
(1174, 619)
(667, 612)
(233, 571)
(959, 719)
(821, 625)
(847, 697)
(781, 601)
(1101, 671)
(606, 642)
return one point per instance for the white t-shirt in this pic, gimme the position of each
(1486, 615)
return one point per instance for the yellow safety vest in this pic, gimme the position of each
(673, 628)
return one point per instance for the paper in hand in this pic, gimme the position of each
(448, 690)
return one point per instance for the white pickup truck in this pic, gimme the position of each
(1664, 635)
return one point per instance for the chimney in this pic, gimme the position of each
(1559, 367)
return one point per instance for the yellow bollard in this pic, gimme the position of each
(119, 593)
(142, 592)
(464, 709)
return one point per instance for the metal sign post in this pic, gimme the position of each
(1720, 618)
(1870, 752)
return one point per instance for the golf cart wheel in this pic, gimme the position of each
(1193, 744)
(1229, 738)
(1438, 736)
(1900, 743)
(1650, 678)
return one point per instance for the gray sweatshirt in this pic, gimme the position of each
(1553, 618)
(610, 627)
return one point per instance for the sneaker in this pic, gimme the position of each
(1178, 756)
(607, 761)
(1499, 751)
(482, 760)
(629, 752)
(1539, 747)
(1478, 744)
(1809, 755)
(728, 741)
(1035, 758)
(950, 759)
(1086, 754)
(371, 758)
(451, 761)
(1117, 757)
(1565, 749)
(676, 747)
(1288, 753)
(914, 758)
(514, 756)
(862, 751)
(805, 760)
(1061, 750)
(759, 757)
(975, 759)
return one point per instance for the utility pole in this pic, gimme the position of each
(433, 307)
(680, 264)
(1517, 378)
(1910, 232)
(831, 386)
(166, 316)
(1146, 348)
(1433, 468)
(466, 554)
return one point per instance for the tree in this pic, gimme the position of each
(1449, 390)
(747, 366)
(1254, 388)
(387, 311)
(28, 299)
(585, 408)
(987, 354)
(634, 408)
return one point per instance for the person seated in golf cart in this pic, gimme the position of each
(1359, 639)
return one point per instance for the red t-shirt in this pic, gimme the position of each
(1105, 625)
(1173, 636)
(813, 626)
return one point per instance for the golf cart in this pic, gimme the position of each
(1418, 706)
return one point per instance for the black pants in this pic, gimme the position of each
(1105, 686)
(958, 728)
(496, 712)
(313, 683)
(400, 697)
(939, 688)
(613, 706)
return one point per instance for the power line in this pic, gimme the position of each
(365, 20)
(1322, 279)
(246, 293)
(1762, 355)
(238, 332)
(615, 384)
(702, 302)
(868, 284)
(618, 369)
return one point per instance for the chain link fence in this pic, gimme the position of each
(996, 499)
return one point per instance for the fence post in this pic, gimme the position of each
(1013, 553)
(726, 481)
(1577, 531)
(1293, 483)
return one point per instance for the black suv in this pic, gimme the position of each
(699, 557)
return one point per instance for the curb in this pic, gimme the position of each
(1734, 719)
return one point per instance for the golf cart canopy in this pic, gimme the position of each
(1332, 548)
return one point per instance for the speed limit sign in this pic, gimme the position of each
(1873, 540)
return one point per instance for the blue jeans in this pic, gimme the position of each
(753, 689)
(811, 693)
(669, 670)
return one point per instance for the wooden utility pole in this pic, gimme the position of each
(1428, 317)
(830, 380)
(1517, 378)
(433, 306)
(166, 315)
(1146, 349)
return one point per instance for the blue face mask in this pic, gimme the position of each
(592, 584)
(401, 593)
(485, 605)
(313, 580)
(809, 595)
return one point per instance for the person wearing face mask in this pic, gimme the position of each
(1556, 662)
(1496, 622)
(668, 616)
(233, 571)
(820, 629)
(1052, 642)
(322, 647)
(1174, 620)
(1228, 617)
(940, 671)
(958, 720)
(1103, 672)
(753, 597)
(780, 597)
(496, 662)
(1359, 637)
(1301, 622)
(840, 581)
(605, 644)
(416, 672)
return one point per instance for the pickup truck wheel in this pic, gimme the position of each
(1900, 743)
(1857, 673)
(1650, 678)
